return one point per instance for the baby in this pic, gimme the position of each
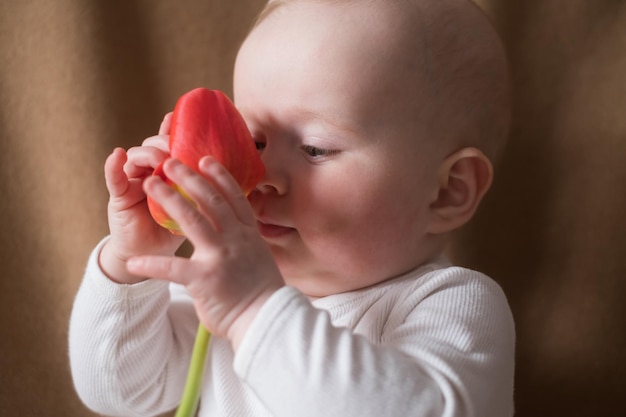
(325, 289)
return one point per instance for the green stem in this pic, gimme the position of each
(191, 394)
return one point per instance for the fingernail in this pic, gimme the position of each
(172, 162)
(205, 161)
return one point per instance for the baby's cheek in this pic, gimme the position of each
(345, 238)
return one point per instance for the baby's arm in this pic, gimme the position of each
(129, 345)
(127, 341)
(133, 231)
(231, 272)
(445, 348)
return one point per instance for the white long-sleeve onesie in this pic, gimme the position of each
(438, 341)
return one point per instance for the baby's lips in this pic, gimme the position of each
(206, 122)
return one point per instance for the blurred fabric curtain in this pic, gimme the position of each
(78, 78)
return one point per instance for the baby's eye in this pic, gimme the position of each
(315, 152)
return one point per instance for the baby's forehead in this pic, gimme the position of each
(442, 54)
(416, 26)
(395, 15)
(381, 31)
(403, 33)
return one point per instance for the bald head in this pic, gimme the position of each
(442, 61)
(466, 72)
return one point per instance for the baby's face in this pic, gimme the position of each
(345, 201)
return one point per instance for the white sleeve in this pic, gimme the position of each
(129, 345)
(299, 364)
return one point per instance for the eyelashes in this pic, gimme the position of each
(315, 152)
(311, 152)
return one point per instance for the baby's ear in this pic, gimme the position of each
(464, 178)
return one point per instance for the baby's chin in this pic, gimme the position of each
(316, 286)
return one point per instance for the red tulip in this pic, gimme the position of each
(206, 122)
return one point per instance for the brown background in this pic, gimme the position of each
(78, 78)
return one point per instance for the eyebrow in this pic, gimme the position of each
(332, 121)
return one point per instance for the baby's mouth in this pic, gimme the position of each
(273, 231)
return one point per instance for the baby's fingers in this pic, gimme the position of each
(219, 201)
(124, 192)
(161, 142)
(142, 160)
(225, 182)
(167, 268)
(164, 129)
(115, 178)
(195, 225)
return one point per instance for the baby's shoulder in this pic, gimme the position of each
(445, 291)
(447, 280)
(437, 293)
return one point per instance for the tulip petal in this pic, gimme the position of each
(205, 122)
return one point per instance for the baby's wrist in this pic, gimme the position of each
(240, 326)
(114, 267)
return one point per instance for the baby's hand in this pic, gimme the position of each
(133, 231)
(231, 272)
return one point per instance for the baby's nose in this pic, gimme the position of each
(275, 178)
(273, 182)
